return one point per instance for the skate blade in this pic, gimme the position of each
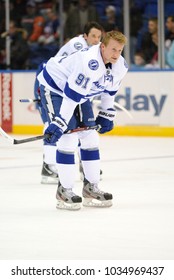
(90, 202)
(49, 180)
(68, 206)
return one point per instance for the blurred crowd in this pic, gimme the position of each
(35, 29)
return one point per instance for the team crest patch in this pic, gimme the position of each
(93, 64)
(78, 46)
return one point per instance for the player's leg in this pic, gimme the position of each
(88, 119)
(65, 159)
(49, 170)
(90, 158)
(49, 173)
(66, 198)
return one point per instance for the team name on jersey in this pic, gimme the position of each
(98, 85)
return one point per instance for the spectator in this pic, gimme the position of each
(52, 22)
(78, 17)
(136, 24)
(139, 61)
(47, 38)
(169, 42)
(19, 49)
(33, 22)
(170, 31)
(170, 55)
(17, 8)
(149, 42)
(113, 20)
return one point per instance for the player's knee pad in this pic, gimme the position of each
(89, 139)
(66, 147)
(68, 143)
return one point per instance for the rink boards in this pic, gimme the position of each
(147, 95)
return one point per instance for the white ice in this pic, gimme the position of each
(138, 171)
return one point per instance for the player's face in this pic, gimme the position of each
(112, 51)
(93, 37)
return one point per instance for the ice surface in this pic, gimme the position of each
(138, 171)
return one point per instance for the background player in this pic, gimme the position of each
(92, 36)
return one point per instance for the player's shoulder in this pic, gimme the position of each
(91, 58)
(91, 52)
(78, 43)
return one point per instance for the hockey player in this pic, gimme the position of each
(66, 82)
(92, 36)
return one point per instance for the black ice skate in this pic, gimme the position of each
(93, 196)
(48, 175)
(67, 199)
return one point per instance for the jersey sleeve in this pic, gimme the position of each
(107, 101)
(65, 50)
(73, 45)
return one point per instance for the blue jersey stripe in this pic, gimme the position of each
(110, 92)
(72, 94)
(49, 80)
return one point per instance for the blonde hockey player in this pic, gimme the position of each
(67, 82)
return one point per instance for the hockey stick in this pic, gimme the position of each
(95, 101)
(40, 137)
(29, 100)
(117, 105)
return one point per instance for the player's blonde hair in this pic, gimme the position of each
(115, 35)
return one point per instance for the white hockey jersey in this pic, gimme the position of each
(73, 45)
(83, 75)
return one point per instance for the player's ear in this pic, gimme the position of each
(85, 36)
(102, 46)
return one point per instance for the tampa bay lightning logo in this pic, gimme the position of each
(93, 64)
(78, 46)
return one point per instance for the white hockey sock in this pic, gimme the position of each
(67, 174)
(50, 154)
(91, 170)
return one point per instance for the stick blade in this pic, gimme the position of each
(8, 137)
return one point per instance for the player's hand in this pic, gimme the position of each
(55, 130)
(105, 119)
